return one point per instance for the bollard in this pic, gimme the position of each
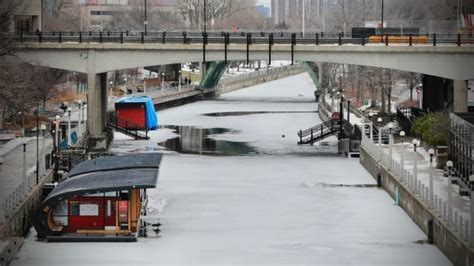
(340, 40)
(379, 180)
(386, 40)
(142, 37)
(121, 37)
(317, 39)
(410, 40)
(459, 40)
(430, 231)
(100, 37)
(434, 39)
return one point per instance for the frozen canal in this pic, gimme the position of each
(247, 194)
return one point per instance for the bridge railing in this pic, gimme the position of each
(258, 73)
(315, 38)
(458, 221)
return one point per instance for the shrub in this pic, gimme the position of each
(433, 128)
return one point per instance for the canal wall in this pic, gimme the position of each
(444, 238)
(259, 79)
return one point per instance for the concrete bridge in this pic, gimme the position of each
(96, 59)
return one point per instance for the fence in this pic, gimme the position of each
(455, 220)
(11, 201)
(313, 38)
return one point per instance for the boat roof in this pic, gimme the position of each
(113, 173)
(101, 182)
(132, 161)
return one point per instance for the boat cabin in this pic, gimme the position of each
(101, 199)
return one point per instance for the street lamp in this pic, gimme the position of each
(179, 80)
(415, 143)
(145, 21)
(162, 82)
(390, 142)
(415, 165)
(205, 16)
(381, 26)
(430, 201)
(68, 136)
(402, 153)
(449, 164)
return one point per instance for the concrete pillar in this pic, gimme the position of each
(97, 111)
(460, 96)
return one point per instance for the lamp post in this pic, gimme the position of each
(37, 142)
(303, 17)
(390, 143)
(179, 80)
(430, 201)
(68, 134)
(415, 166)
(205, 16)
(381, 26)
(402, 153)
(79, 121)
(56, 151)
(145, 21)
(449, 164)
(162, 82)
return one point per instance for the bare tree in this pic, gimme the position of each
(8, 8)
(192, 11)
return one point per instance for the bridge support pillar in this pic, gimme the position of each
(460, 96)
(97, 112)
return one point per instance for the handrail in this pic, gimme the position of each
(314, 38)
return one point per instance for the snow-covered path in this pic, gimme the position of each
(286, 205)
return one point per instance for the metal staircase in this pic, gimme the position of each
(319, 132)
(128, 128)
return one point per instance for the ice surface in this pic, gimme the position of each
(273, 208)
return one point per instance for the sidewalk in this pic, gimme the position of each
(460, 204)
(11, 174)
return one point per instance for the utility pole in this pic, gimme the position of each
(381, 26)
(42, 16)
(205, 16)
(303, 17)
(145, 22)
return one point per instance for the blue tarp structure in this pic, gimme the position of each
(151, 120)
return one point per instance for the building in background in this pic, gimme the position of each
(288, 11)
(263, 10)
(28, 17)
(95, 14)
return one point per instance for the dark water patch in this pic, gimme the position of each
(225, 114)
(324, 185)
(193, 140)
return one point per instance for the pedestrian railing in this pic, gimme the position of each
(11, 201)
(458, 222)
(271, 38)
(258, 73)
